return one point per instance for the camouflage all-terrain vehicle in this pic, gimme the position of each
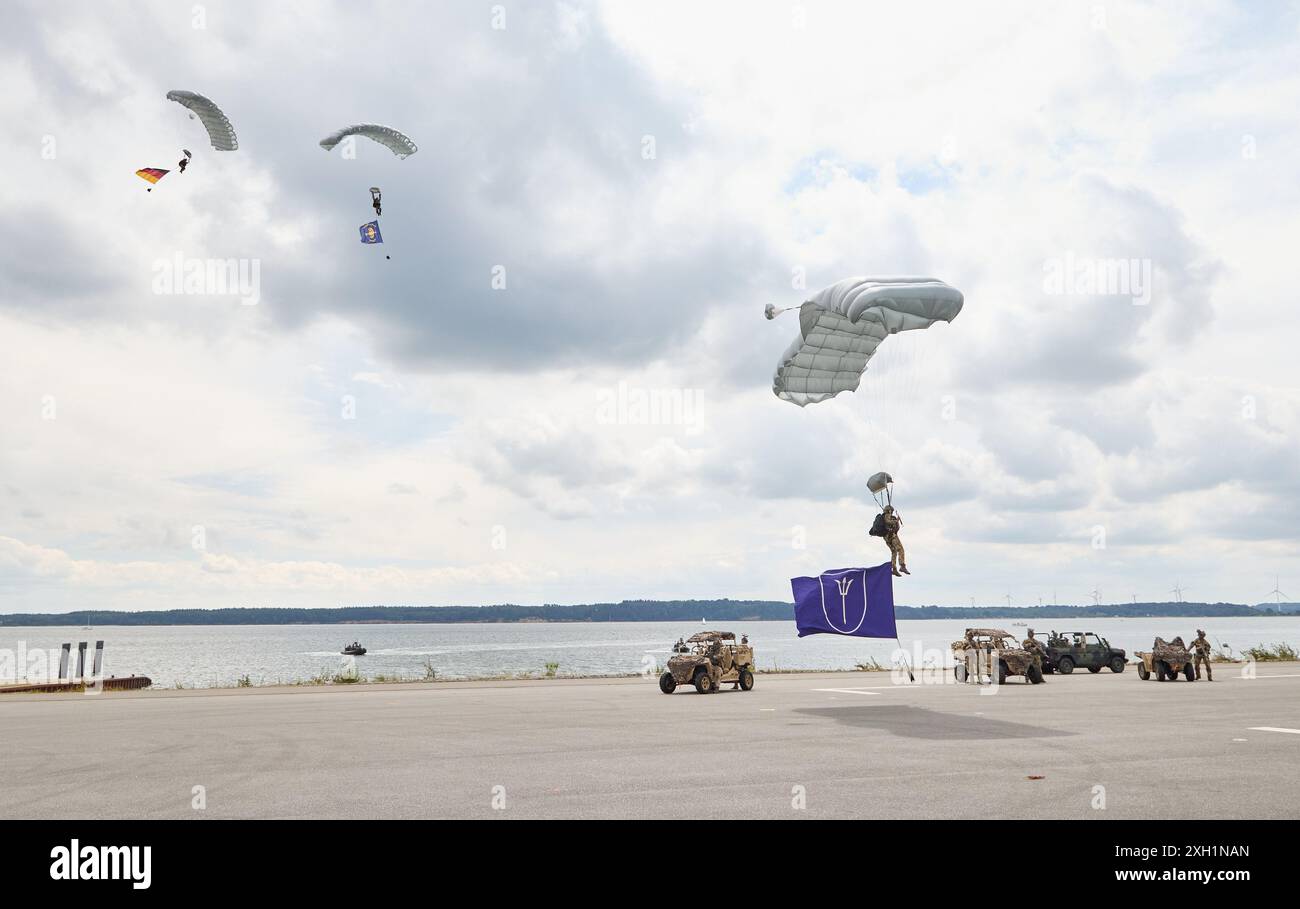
(711, 659)
(1166, 660)
(985, 651)
(1084, 650)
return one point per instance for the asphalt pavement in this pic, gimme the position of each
(852, 745)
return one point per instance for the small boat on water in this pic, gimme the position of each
(354, 649)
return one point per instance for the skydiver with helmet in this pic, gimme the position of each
(888, 523)
(184, 162)
(897, 557)
(376, 200)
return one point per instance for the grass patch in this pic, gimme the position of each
(1272, 653)
(331, 677)
(552, 669)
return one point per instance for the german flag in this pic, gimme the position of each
(152, 174)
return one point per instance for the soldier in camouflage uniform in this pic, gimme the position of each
(897, 558)
(1035, 646)
(1201, 649)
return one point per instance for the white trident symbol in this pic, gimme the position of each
(844, 584)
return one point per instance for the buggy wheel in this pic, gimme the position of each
(746, 680)
(1117, 664)
(1189, 673)
(667, 684)
(959, 672)
(1065, 665)
(703, 682)
(1143, 672)
(1163, 672)
(1002, 673)
(1034, 674)
(1094, 669)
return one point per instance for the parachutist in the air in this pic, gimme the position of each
(897, 557)
(184, 162)
(376, 201)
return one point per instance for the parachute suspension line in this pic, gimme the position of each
(884, 497)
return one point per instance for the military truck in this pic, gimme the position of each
(985, 651)
(711, 659)
(1165, 661)
(1084, 650)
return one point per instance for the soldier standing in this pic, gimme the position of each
(1035, 646)
(897, 557)
(1202, 655)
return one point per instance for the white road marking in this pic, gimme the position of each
(847, 691)
(1275, 729)
(1271, 675)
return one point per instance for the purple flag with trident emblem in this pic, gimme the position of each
(852, 601)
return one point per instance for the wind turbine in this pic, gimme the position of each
(1096, 596)
(1177, 592)
(1008, 600)
(1276, 592)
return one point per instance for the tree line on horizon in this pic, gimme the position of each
(714, 611)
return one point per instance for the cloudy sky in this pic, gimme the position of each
(605, 197)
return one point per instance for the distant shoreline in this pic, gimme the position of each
(714, 611)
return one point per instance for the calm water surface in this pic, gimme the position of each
(210, 655)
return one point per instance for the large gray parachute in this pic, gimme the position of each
(398, 143)
(841, 327)
(220, 133)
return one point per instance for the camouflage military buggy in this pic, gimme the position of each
(1165, 661)
(712, 658)
(985, 651)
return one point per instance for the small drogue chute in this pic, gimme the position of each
(881, 486)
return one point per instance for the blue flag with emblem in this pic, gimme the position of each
(852, 601)
(370, 233)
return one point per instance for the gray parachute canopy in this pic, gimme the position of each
(396, 142)
(220, 133)
(841, 327)
(882, 488)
